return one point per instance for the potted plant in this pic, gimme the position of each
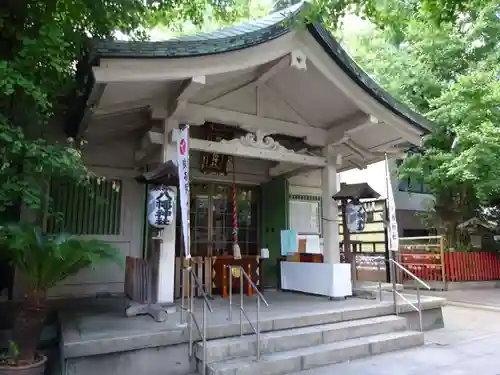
(44, 260)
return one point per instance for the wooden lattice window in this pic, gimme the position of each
(93, 209)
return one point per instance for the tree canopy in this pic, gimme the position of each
(43, 43)
(449, 74)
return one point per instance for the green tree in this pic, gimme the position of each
(449, 74)
(43, 48)
(43, 45)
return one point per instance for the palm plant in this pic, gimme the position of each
(45, 260)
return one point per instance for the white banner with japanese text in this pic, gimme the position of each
(183, 168)
(391, 208)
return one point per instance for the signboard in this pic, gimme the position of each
(183, 168)
(215, 162)
(356, 217)
(391, 210)
(289, 241)
(161, 201)
(305, 216)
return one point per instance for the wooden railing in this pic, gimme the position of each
(429, 261)
(473, 266)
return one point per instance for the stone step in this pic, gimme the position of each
(291, 361)
(288, 339)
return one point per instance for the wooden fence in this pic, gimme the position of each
(473, 266)
(422, 256)
(211, 271)
(427, 259)
(137, 277)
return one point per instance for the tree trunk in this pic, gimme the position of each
(28, 326)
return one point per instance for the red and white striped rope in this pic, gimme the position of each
(235, 216)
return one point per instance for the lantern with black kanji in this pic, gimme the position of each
(161, 201)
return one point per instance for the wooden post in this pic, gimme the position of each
(443, 270)
(347, 243)
(224, 281)
(249, 285)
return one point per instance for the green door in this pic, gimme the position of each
(274, 211)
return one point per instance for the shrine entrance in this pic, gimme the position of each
(212, 219)
(211, 225)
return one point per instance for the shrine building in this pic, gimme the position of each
(274, 109)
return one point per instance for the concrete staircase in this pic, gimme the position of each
(291, 350)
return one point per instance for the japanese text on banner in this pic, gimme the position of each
(391, 208)
(183, 169)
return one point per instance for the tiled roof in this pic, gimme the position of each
(356, 191)
(251, 34)
(227, 39)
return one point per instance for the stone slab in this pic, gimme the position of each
(431, 319)
(320, 355)
(166, 360)
(104, 330)
(278, 341)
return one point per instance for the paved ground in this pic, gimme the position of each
(467, 346)
(484, 297)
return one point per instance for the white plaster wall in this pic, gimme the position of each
(308, 183)
(112, 160)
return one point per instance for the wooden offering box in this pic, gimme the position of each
(221, 273)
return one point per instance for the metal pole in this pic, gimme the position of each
(392, 268)
(379, 282)
(419, 309)
(230, 292)
(191, 311)
(258, 328)
(393, 278)
(183, 290)
(204, 338)
(241, 302)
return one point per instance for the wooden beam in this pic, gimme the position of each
(168, 69)
(286, 167)
(408, 135)
(277, 96)
(270, 70)
(363, 100)
(252, 123)
(236, 148)
(291, 170)
(362, 152)
(187, 90)
(92, 102)
(147, 147)
(123, 107)
(282, 168)
(338, 132)
(177, 102)
(264, 74)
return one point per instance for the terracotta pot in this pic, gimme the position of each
(37, 368)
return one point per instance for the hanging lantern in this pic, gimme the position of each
(356, 217)
(161, 200)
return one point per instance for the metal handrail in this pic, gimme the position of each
(419, 238)
(395, 292)
(195, 283)
(260, 297)
(409, 273)
(201, 288)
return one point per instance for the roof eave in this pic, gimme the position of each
(333, 48)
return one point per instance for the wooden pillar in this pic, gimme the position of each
(350, 255)
(166, 256)
(330, 224)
